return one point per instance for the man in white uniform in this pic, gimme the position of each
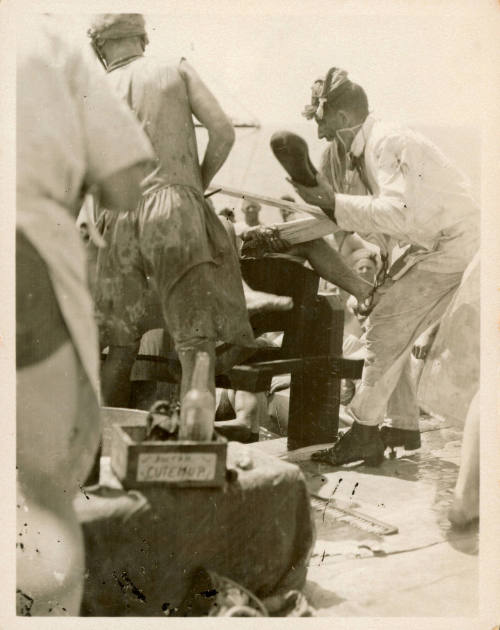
(418, 199)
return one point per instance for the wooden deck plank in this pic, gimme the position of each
(426, 569)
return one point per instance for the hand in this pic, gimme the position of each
(264, 240)
(352, 305)
(421, 348)
(423, 344)
(365, 306)
(321, 195)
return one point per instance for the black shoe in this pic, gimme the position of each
(393, 437)
(360, 442)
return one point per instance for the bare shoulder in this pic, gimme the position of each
(186, 70)
(164, 73)
(154, 63)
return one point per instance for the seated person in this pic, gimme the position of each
(228, 214)
(248, 409)
(245, 411)
(287, 214)
(148, 383)
(251, 211)
(364, 262)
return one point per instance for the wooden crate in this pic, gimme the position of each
(139, 464)
(121, 416)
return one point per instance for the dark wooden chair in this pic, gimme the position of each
(311, 350)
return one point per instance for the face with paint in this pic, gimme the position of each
(366, 268)
(338, 124)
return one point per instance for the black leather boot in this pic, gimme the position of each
(360, 442)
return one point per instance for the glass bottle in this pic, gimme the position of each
(198, 406)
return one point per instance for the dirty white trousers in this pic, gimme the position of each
(406, 308)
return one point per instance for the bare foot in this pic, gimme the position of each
(260, 302)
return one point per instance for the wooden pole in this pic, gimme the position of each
(272, 201)
(304, 230)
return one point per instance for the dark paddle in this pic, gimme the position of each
(293, 154)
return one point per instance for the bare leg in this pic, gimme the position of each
(257, 302)
(260, 302)
(330, 265)
(465, 507)
(115, 375)
(249, 407)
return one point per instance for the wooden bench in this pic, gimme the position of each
(311, 350)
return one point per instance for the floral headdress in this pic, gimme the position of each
(322, 89)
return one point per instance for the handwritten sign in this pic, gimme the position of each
(176, 466)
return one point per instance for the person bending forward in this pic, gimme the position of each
(418, 199)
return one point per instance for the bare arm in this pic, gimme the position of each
(207, 110)
(352, 242)
(330, 265)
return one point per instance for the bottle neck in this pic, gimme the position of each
(201, 372)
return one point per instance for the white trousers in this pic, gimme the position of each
(407, 308)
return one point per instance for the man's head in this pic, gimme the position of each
(286, 213)
(338, 106)
(364, 263)
(228, 214)
(251, 210)
(116, 35)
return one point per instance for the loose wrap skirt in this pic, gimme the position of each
(172, 257)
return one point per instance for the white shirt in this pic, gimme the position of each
(419, 197)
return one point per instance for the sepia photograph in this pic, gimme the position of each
(249, 258)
